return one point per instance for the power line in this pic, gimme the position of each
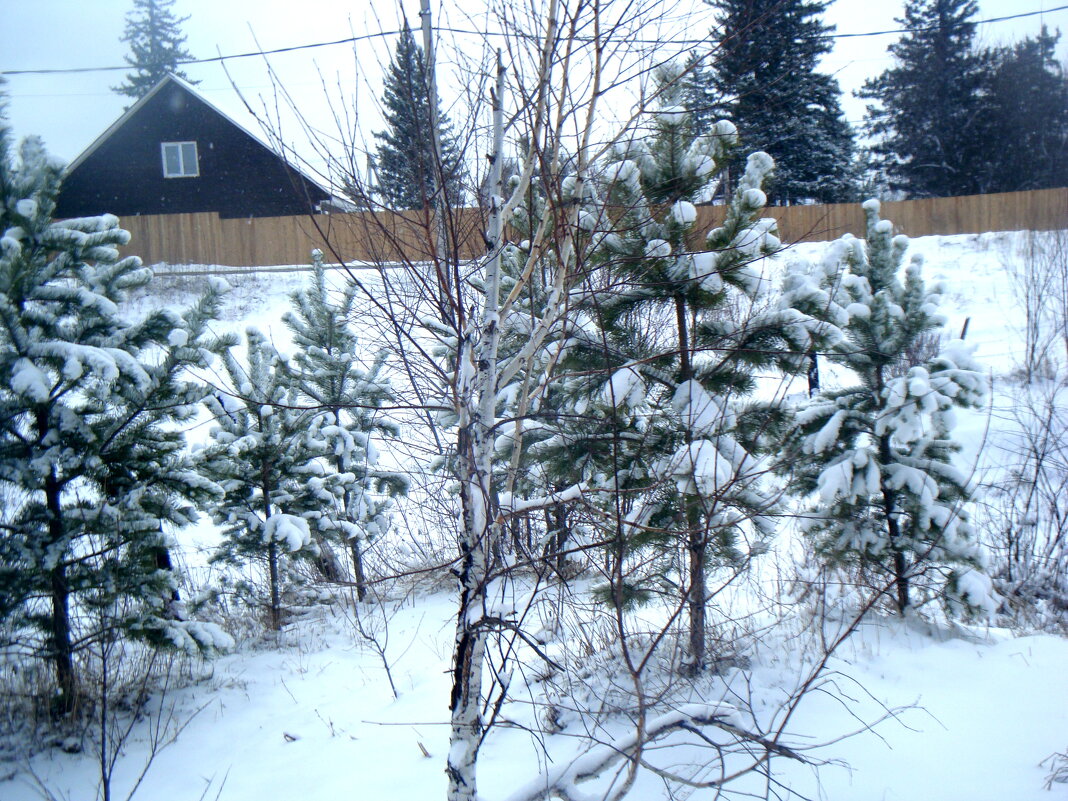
(462, 31)
(932, 28)
(213, 59)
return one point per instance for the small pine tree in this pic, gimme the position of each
(659, 369)
(762, 76)
(89, 449)
(407, 172)
(927, 118)
(878, 453)
(155, 38)
(348, 502)
(261, 456)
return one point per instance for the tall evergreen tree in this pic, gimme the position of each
(407, 170)
(156, 42)
(928, 112)
(763, 77)
(1026, 116)
(89, 402)
(347, 502)
(877, 453)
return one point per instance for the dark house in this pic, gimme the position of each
(172, 152)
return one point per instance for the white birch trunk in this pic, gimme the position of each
(476, 399)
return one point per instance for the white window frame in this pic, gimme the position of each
(184, 170)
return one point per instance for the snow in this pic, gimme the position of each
(29, 380)
(290, 530)
(312, 717)
(625, 388)
(658, 249)
(310, 714)
(700, 467)
(755, 198)
(980, 712)
(684, 212)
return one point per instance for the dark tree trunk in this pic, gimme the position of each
(696, 541)
(272, 550)
(61, 642)
(560, 536)
(164, 562)
(697, 600)
(357, 569)
(813, 374)
(62, 648)
(326, 562)
(276, 602)
(893, 525)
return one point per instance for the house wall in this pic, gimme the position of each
(239, 176)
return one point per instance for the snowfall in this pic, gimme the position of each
(907, 711)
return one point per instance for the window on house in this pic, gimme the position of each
(180, 160)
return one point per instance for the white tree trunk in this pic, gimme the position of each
(476, 399)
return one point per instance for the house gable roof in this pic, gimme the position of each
(169, 80)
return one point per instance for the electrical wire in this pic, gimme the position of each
(461, 31)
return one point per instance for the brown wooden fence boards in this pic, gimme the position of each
(392, 236)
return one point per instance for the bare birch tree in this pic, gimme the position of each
(447, 304)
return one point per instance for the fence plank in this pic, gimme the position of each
(393, 236)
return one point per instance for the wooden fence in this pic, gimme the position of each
(183, 239)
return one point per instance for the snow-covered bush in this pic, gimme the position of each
(1024, 516)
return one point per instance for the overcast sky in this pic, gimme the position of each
(70, 110)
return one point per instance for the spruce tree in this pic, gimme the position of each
(347, 502)
(928, 115)
(875, 456)
(262, 457)
(407, 171)
(91, 450)
(156, 42)
(762, 76)
(1026, 116)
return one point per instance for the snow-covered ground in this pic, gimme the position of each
(968, 713)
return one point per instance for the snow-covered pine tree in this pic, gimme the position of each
(878, 453)
(762, 75)
(407, 171)
(348, 504)
(263, 459)
(88, 402)
(660, 366)
(155, 38)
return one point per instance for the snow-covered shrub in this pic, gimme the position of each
(672, 330)
(1039, 280)
(1025, 515)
